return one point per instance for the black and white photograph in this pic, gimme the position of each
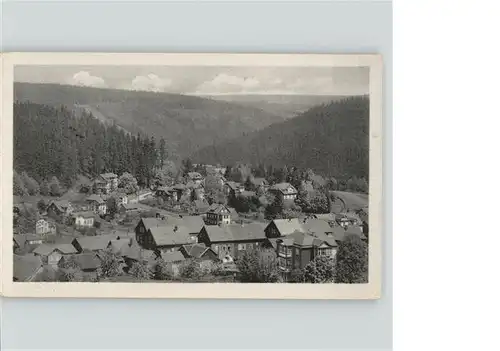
(162, 173)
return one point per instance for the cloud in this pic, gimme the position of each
(151, 82)
(84, 78)
(225, 83)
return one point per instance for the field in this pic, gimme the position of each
(352, 201)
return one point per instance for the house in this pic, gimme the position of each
(282, 227)
(133, 253)
(198, 251)
(218, 214)
(317, 226)
(347, 219)
(106, 183)
(180, 190)
(164, 238)
(52, 254)
(59, 209)
(201, 206)
(84, 219)
(93, 243)
(296, 250)
(233, 188)
(128, 208)
(26, 242)
(195, 177)
(285, 191)
(260, 184)
(248, 194)
(88, 262)
(144, 194)
(144, 225)
(232, 239)
(121, 198)
(96, 204)
(193, 224)
(26, 268)
(44, 227)
(173, 259)
(166, 193)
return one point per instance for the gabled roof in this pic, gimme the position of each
(152, 222)
(47, 249)
(248, 193)
(130, 207)
(201, 205)
(172, 256)
(19, 239)
(137, 253)
(96, 198)
(192, 223)
(235, 232)
(287, 226)
(84, 214)
(26, 266)
(94, 243)
(87, 261)
(259, 181)
(61, 204)
(171, 235)
(301, 239)
(195, 250)
(314, 225)
(218, 208)
(233, 185)
(194, 175)
(285, 188)
(108, 175)
(325, 216)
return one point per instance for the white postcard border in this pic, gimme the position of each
(371, 290)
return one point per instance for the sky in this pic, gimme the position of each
(206, 80)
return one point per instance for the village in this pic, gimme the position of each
(203, 227)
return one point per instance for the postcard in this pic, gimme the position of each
(221, 176)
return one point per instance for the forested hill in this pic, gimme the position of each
(187, 123)
(51, 142)
(331, 139)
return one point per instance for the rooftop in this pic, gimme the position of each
(26, 266)
(235, 232)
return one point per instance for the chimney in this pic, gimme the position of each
(175, 228)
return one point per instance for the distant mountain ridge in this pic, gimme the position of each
(186, 122)
(332, 139)
(286, 105)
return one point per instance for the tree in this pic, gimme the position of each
(112, 206)
(319, 203)
(187, 166)
(193, 195)
(249, 186)
(140, 270)
(128, 183)
(320, 270)
(55, 187)
(31, 184)
(191, 269)
(70, 274)
(256, 266)
(275, 209)
(44, 188)
(163, 271)
(111, 264)
(19, 186)
(41, 205)
(162, 152)
(332, 183)
(352, 261)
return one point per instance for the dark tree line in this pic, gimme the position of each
(51, 141)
